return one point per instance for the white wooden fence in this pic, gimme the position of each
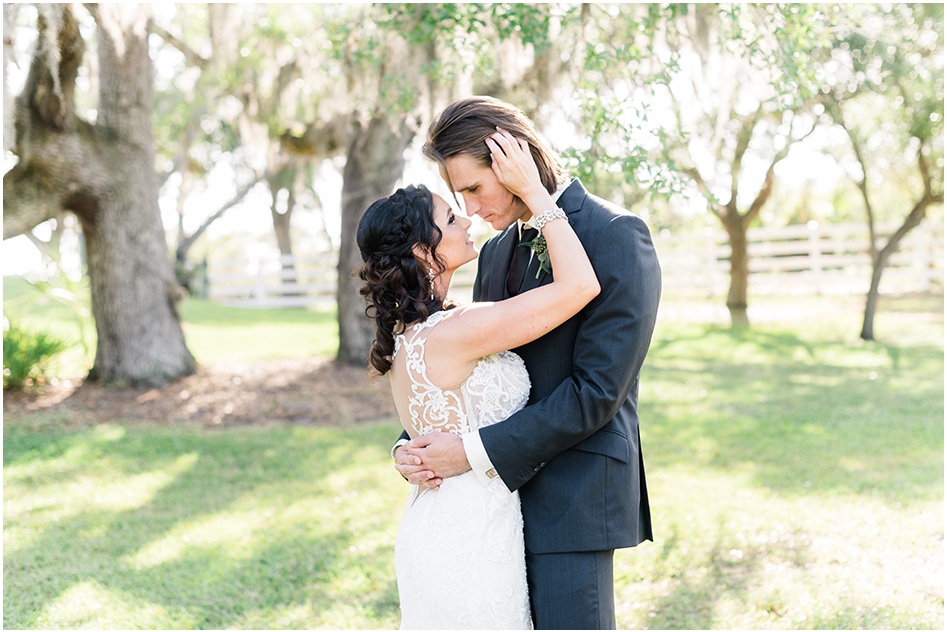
(804, 259)
(274, 281)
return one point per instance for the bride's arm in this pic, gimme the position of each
(480, 329)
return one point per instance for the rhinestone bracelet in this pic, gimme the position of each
(547, 216)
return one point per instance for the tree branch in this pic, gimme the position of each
(694, 174)
(241, 193)
(49, 249)
(43, 246)
(283, 80)
(184, 146)
(318, 140)
(27, 201)
(47, 96)
(862, 184)
(769, 180)
(691, 172)
(743, 143)
(189, 53)
(65, 170)
(926, 174)
(914, 218)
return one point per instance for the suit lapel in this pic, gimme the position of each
(498, 267)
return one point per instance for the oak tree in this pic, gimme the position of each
(103, 170)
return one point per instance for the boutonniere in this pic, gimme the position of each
(539, 247)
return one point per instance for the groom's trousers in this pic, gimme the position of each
(571, 591)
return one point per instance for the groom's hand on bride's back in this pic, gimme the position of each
(428, 459)
(413, 469)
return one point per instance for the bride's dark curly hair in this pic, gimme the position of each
(397, 287)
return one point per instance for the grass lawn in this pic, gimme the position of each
(795, 475)
(214, 333)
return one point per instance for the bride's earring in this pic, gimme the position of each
(430, 276)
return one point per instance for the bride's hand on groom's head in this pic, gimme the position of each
(513, 163)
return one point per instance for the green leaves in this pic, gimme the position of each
(885, 85)
(529, 22)
(26, 355)
(542, 254)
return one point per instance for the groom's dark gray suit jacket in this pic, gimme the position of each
(574, 452)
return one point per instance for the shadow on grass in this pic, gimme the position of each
(726, 582)
(247, 524)
(725, 574)
(691, 604)
(797, 416)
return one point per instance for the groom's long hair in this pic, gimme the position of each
(463, 127)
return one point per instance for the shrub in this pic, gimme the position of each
(26, 355)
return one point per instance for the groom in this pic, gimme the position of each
(574, 451)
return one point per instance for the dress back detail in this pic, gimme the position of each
(497, 387)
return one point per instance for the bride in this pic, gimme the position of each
(459, 555)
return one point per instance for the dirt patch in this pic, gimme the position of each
(304, 391)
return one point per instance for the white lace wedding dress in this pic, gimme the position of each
(459, 552)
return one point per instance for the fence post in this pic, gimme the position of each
(710, 252)
(815, 255)
(260, 291)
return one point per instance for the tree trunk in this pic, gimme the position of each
(281, 224)
(739, 271)
(880, 259)
(134, 291)
(105, 174)
(871, 301)
(375, 161)
(285, 179)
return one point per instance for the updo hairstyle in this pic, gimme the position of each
(397, 287)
